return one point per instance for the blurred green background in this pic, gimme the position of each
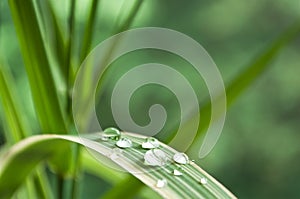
(257, 155)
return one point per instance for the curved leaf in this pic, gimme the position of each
(31, 151)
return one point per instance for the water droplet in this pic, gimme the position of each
(116, 153)
(150, 143)
(181, 158)
(177, 173)
(111, 133)
(103, 138)
(161, 183)
(124, 143)
(203, 181)
(155, 157)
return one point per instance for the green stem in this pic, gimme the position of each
(88, 34)
(74, 184)
(69, 55)
(130, 185)
(60, 186)
(124, 25)
(42, 184)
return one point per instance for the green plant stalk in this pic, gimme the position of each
(124, 25)
(132, 184)
(37, 65)
(57, 40)
(41, 79)
(77, 163)
(41, 183)
(119, 27)
(88, 33)
(70, 75)
(16, 122)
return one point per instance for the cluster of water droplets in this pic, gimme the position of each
(152, 157)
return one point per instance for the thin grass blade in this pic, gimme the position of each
(37, 65)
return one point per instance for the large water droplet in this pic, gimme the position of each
(150, 143)
(155, 157)
(203, 181)
(124, 143)
(161, 183)
(116, 153)
(181, 158)
(111, 133)
(177, 172)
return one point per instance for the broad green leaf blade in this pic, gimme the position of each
(37, 66)
(14, 116)
(241, 82)
(132, 160)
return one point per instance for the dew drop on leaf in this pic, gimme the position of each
(111, 133)
(161, 183)
(150, 143)
(203, 181)
(181, 158)
(116, 153)
(124, 143)
(176, 172)
(155, 157)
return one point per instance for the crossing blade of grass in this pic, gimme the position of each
(88, 33)
(186, 186)
(57, 40)
(123, 24)
(17, 124)
(259, 65)
(37, 65)
(14, 116)
(251, 73)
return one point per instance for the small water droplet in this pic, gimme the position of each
(111, 133)
(161, 183)
(103, 138)
(203, 181)
(124, 143)
(177, 173)
(150, 143)
(181, 158)
(155, 157)
(116, 153)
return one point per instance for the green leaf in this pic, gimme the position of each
(54, 33)
(88, 34)
(260, 64)
(251, 73)
(132, 160)
(37, 65)
(123, 23)
(17, 123)
(14, 116)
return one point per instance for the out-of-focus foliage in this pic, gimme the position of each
(257, 155)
